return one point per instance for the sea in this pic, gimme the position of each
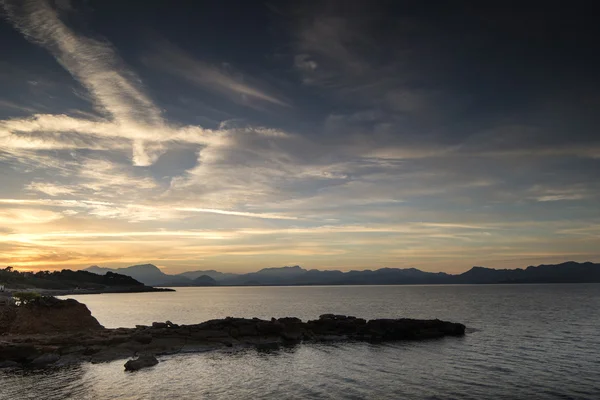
(522, 342)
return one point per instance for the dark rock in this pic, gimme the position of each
(68, 360)
(144, 361)
(270, 328)
(289, 320)
(8, 313)
(111, 353)
(207, 334)
(327, 316)
(91, 350)
(167, 338)
(143, 339)
(51, 315)
(45, 359)
(9, 364)
(264, 344)
(292, 336)
(73, 349)
(18, 352)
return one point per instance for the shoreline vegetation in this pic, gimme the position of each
(49, 332)
(67, 282)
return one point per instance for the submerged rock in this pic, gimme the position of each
(144, 361)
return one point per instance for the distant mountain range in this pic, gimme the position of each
(567, 272)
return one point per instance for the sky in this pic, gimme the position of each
(238, 135)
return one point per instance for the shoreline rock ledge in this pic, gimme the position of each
(50, 344)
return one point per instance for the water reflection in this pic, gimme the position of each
(526, 341)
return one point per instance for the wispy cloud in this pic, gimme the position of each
(222, 80)
(235, 213)
(94, 63)
(13, 216)
(136, 212)
(130, 113)
(49, 188)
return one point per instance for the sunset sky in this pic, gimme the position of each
(328, 134)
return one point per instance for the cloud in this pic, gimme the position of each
(235, 213)
(117, 90)
(5, 104)
(235, 86)
(92, 62)
(560, 197)
(136, 212)
(13, 216)
(49, 188)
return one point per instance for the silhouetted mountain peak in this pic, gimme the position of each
(148, 267)
(295, 270)
(205, 280)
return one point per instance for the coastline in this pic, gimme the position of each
(65, 292)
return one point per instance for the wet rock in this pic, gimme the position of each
(19, 352)
(264, 344)
(144, 361)
(9, 364)
(110, 354)
(292, 336)
(208, 334)
(44, 360)
(73, 349)
(70, 359)
(269, 328)
(159, 325)
(143, 339)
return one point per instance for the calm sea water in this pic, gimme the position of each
(523, 341)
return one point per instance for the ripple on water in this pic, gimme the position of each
(516, 347)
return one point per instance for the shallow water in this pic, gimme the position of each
(524, 341)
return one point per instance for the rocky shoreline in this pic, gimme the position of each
(88, 341)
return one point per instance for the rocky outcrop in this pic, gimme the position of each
(48, 315)
(100, 345)
(8, 313)
(144, 361)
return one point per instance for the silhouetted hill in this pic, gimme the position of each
(489, 275)
(568, 272)
(216, 275)
(205, 280)
(267, 276)
(67, 279)
(149, 274)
